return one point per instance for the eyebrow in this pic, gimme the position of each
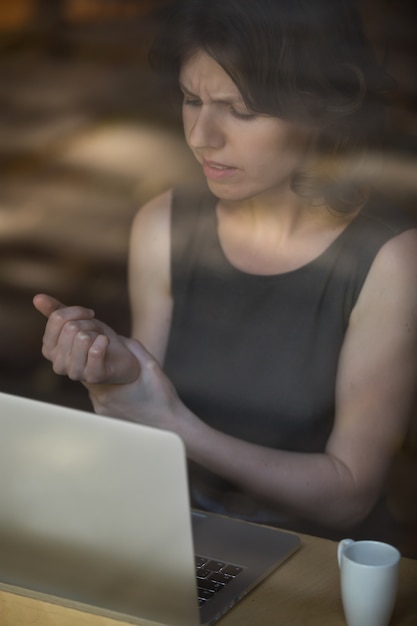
(221, 100)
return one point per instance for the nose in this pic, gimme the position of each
(203, 128)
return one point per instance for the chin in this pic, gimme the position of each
(229, 193)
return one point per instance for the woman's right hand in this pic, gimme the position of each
(83, 348)
(122, 378)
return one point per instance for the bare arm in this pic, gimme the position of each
(149, 275)
(375, 388)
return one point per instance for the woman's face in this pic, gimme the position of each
(243, 155)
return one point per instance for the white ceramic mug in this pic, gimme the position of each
(369, 580)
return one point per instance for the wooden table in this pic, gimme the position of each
(302, 592)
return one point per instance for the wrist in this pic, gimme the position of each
(114, 400)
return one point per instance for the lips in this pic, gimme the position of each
(217, 171)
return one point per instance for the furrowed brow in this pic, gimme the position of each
(226, 99)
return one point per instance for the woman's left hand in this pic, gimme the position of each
(150, 399)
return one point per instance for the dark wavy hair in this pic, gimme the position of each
(305, 61)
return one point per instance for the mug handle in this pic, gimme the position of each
(342, 545)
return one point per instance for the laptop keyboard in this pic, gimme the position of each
(213, 576)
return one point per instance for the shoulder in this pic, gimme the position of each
(150, 232)
(180, 205)
(149, 250)
(153, 215)
(384, 220)
(379, 243)
(392, 278)
(397, 257)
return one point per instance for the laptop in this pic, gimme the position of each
(95, 514)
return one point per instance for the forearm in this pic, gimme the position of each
(316, 487)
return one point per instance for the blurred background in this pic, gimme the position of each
(85, 139)
(86, 136)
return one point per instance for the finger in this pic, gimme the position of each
(46, 304)
(59, 338)
(96, 370)
(62, 325)
(78, 357)
(69, 361)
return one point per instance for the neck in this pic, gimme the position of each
(285, 215)
(268, 238)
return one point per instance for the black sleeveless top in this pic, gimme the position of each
(256, 356)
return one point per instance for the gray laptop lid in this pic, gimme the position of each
(95, 511)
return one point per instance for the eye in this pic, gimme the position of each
(242, 116)
(193, 102)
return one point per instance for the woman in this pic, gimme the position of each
(274, 312)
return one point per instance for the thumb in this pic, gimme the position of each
(139, 351)
(46, 304)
